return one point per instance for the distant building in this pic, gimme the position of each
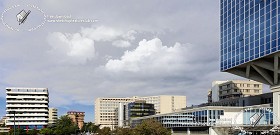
(30, 107)
(106, 111)
(222, 90)
(3, 127)
(3, 120)
(77, 118)
(166, 103)
(52, 116)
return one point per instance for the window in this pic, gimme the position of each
(256, 91)
(256, 85)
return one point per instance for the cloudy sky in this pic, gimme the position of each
(131, 48)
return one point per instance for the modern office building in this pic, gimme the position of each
(28, 106)
(250, 33)
(166, 103)
(222, 90)
(106, 109)
(52, 116)
(135, 109)
(77, 118)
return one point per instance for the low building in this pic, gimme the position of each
(266, 98)
(52, 116)
(215, 120)
(3, 128)
(223, 90)
(77, 118)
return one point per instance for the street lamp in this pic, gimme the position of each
(14, 112)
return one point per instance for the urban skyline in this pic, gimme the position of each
(139, 50)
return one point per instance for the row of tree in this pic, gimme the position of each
(65, 126)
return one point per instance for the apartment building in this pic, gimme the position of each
(52, 116)
(223, 90)
(106, 109)
(28, 106)
(77, 118)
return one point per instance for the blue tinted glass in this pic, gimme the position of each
(248, 30)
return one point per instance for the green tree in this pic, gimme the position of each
(18, 132)
(123, 131)
(65, 125)
(104, 131)
(46, 131)
(32, 132)
(91, 127)
(151, 127)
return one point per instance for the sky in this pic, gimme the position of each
(122, 49)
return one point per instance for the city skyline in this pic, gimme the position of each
(145, 48)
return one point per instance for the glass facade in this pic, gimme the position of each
(249, 30)
(187, 119)
(140, 109)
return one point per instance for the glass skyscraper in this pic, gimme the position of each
(249, 30)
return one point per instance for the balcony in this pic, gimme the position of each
(26, 96)
(27, 101)
(26, 123)
(28, 114)
(26, 105)
(27, 110)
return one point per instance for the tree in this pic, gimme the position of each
(46, 131)
(90, 127)
(151, 127)
(32, 132)
(123, 131)
(104, 131)
(18, 132)
(65, 125)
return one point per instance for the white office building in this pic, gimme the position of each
(27, 108)
(106, 109)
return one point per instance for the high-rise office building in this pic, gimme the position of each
(106, 109)
(77, 118)
(52, 116)
(249, 30)
(28, 106)
(250, 42)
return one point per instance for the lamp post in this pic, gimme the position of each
(14, 112)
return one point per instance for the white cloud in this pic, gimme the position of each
(121, 43)
(71, 48)
(150, 56)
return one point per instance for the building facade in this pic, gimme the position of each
(236, 88)
(106, 109)
(166, 103)
(250, 33)
(215, 120)
(28, 106)
(249, 30)
(52, 116)
(77, 118)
